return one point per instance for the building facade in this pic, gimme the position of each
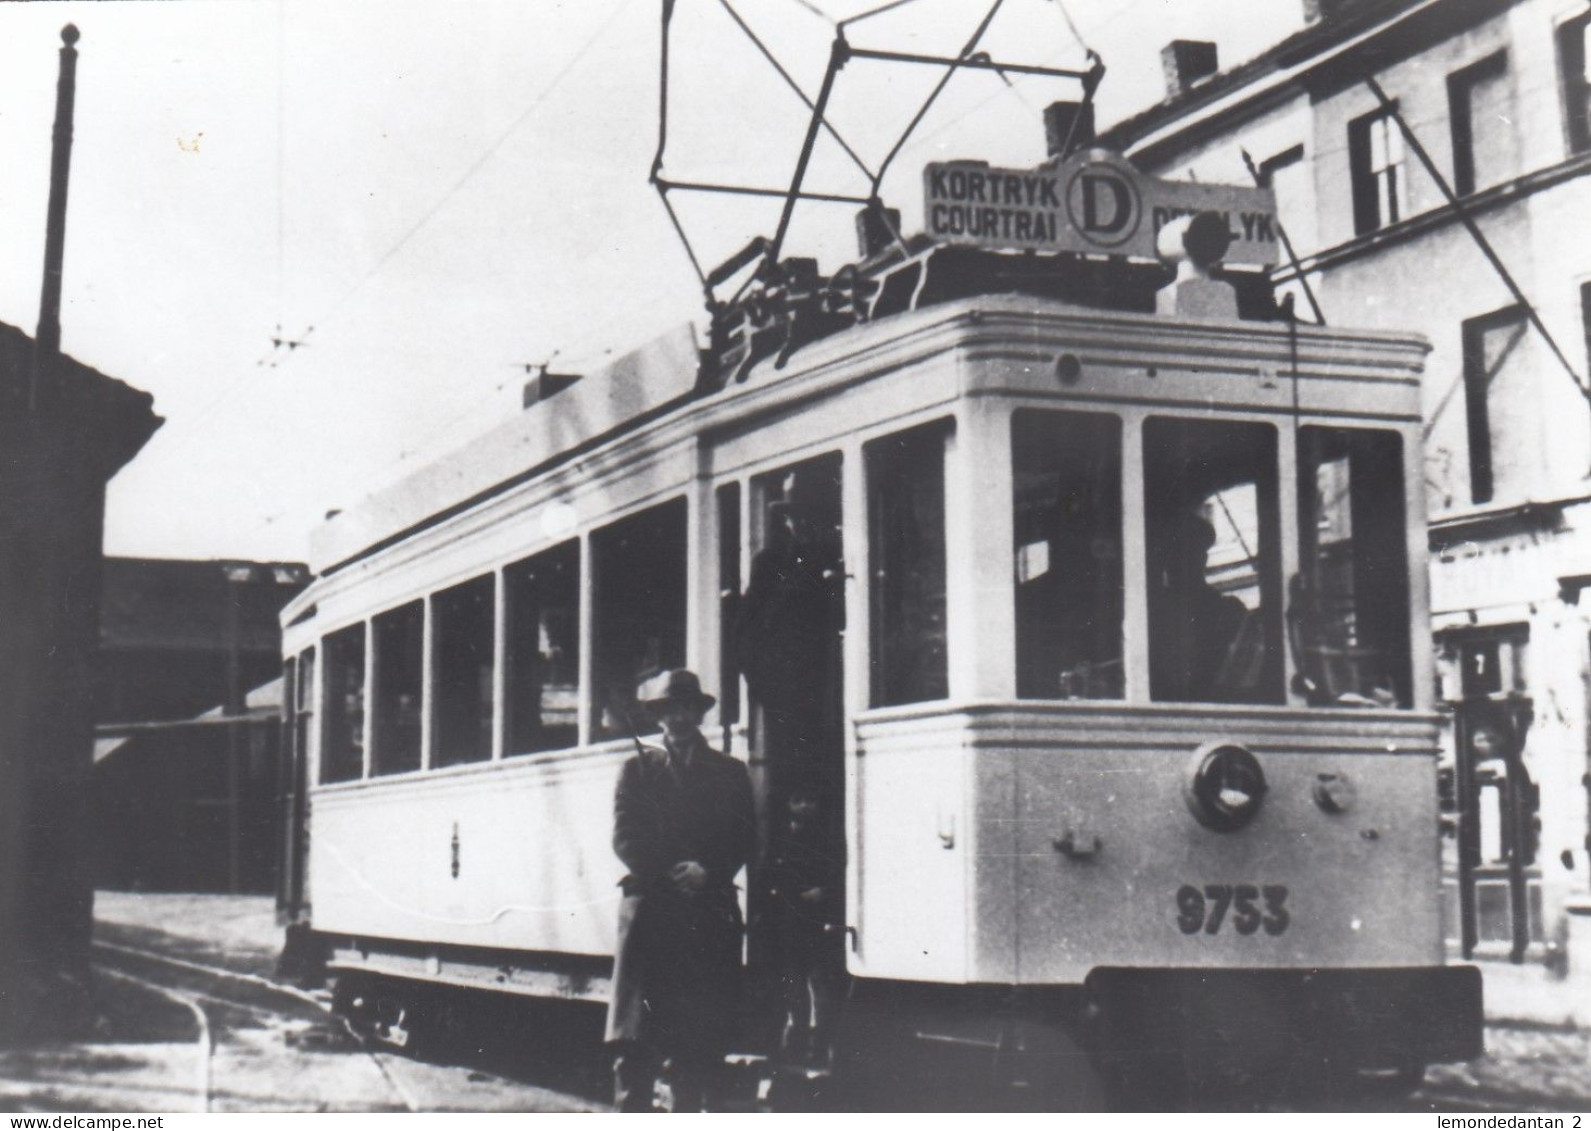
(186, 694)
(1496, 94)
(65, 430)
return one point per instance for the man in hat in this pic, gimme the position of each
(1195, 627)
(684, 826)
(787, 634)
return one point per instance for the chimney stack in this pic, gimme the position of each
(876, 227)
(1068, 126)
(1324, 11)
(544, 385)
(1187, 62)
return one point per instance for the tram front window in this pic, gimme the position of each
(1067, 523)
(1348, 610)
(1212, 546)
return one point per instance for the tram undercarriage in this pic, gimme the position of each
(1127, 1039)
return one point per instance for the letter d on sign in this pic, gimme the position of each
(1102, 205)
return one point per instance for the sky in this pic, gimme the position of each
(431, 196)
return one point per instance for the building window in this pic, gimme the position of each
(1480, 110)
(1493, 662)
(342, 752)
(638, 579)
(1066, 524)
(1348, 612)
(542, 651)
(1572, 58)
(399, 645)
(906, 547)
(1287, 176)
(461, 665)
(1375, 162)
(1213, 550)
(1489, 342)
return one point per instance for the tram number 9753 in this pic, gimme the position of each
(1251, 908)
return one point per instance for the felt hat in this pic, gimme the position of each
(677, 686)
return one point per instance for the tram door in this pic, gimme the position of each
(787, 639)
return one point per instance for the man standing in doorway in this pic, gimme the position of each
(683, 825)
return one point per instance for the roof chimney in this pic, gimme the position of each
(877, 227)
(1068, 126)
(544, 384)
(1186, 62)
(1323, 11)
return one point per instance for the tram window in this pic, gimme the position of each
(461, 672)
(1214, 562)
(638, 567)
(906, 547)
(1066, 520)
(399, 658)
(728, 500)
(343, 741)
(542, 651)
(1348, 612)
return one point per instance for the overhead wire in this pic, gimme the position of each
(801, 94)
(878, 11)
(1012, 87)
(967, 49)
(1072, 26)
(817, 11)
(204, 413)
(469, 173)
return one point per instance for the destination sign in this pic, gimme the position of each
(1094, 202)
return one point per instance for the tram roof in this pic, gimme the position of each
(664, 374)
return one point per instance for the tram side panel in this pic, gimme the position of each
(511, 857)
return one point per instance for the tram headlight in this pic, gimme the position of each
(1225, 786)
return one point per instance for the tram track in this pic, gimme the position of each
(195, 1003)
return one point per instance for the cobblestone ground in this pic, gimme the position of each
(193, 1019)
(1525, 1069)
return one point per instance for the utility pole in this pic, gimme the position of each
(47, 340)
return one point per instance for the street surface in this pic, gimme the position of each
(193, 1019)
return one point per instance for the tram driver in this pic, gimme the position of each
(1198, 633)
(684, 826)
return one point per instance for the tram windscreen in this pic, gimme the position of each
(1067, 527)
(1213, 551)
(1348, 609)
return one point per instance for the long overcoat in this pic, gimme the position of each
(677, 967)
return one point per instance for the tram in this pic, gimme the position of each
(1119, 681)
